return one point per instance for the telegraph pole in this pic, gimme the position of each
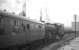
(75, 23)
(23, 12)
(41, 14)
(47, 17)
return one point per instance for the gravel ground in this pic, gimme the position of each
(71, 45)
(56, 46)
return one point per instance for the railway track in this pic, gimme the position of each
(32, 46)
(55, 46)
(42, 44)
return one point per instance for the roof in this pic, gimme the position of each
(7, 14)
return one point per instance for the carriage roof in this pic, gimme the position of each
(7, 14)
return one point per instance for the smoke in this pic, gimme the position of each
(15, 6)
(2, 2)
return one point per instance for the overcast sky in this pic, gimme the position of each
(61, 11)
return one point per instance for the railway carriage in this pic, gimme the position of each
(15, 30)
(18, 30)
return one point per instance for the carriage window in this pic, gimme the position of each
(28, 26)
(5, 10)
(0, 18)
(16, 22)
(39, 26)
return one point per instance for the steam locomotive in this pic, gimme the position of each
(18, 30)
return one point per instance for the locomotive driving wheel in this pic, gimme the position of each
(59, 37)
(50, 36)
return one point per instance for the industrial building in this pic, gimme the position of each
(75, 23)
(75, 27)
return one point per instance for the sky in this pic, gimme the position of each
(59, 11)
(12, 5)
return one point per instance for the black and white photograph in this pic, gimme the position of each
(39, 24)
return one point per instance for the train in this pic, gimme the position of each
(17, 30)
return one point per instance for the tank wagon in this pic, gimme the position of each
(18, 30)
